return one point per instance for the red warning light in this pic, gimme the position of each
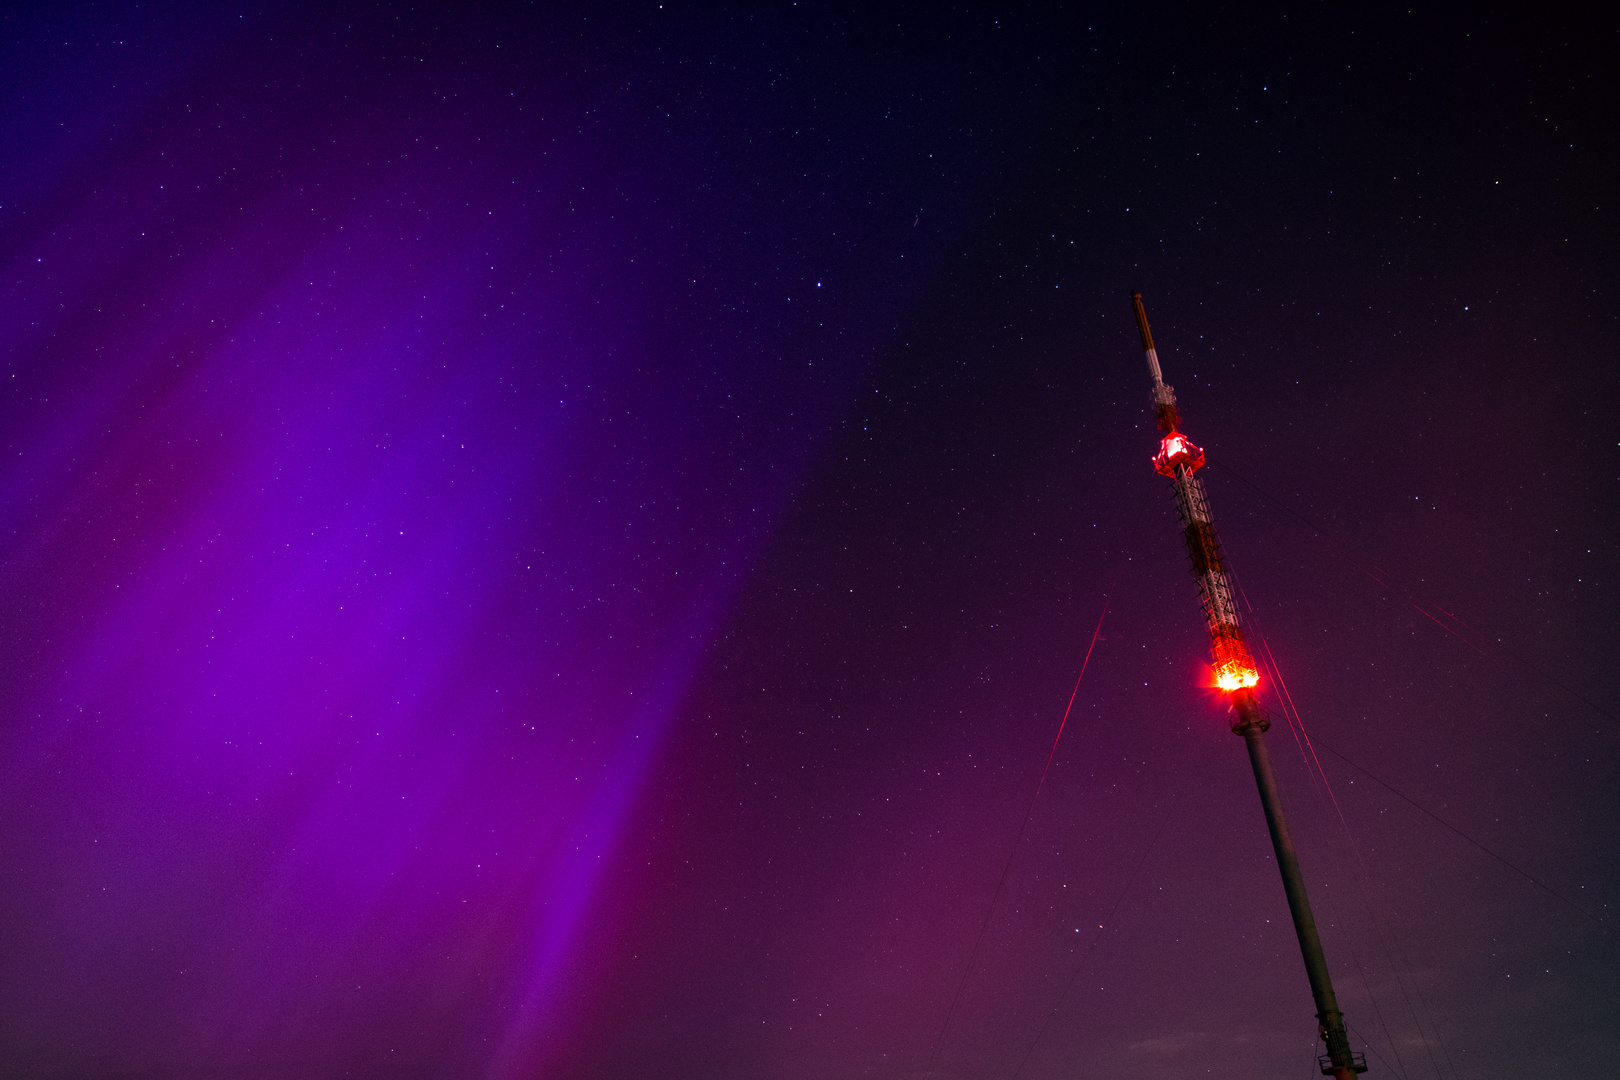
(1234, 667)
(1176, 449)
(1234, 677)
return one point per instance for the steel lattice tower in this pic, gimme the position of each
(1236, 675)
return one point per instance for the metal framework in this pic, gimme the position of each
(1236, 675)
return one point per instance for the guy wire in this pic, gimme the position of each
(984, 927)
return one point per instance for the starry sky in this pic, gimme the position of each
(557, 541)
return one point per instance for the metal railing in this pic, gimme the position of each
(1358, 1062)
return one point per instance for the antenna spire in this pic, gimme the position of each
(1164, 397)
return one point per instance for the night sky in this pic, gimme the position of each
(556, 542)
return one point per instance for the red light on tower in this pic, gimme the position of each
(1234, 667)
(1176, 450)
(1236, 677)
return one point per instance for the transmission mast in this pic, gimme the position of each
(1236, 675)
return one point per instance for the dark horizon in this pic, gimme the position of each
(557, 543)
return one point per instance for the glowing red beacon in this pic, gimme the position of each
(1176, 450)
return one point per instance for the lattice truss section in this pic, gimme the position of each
(1234, 667)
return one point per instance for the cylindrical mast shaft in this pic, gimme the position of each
(1252, 725)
